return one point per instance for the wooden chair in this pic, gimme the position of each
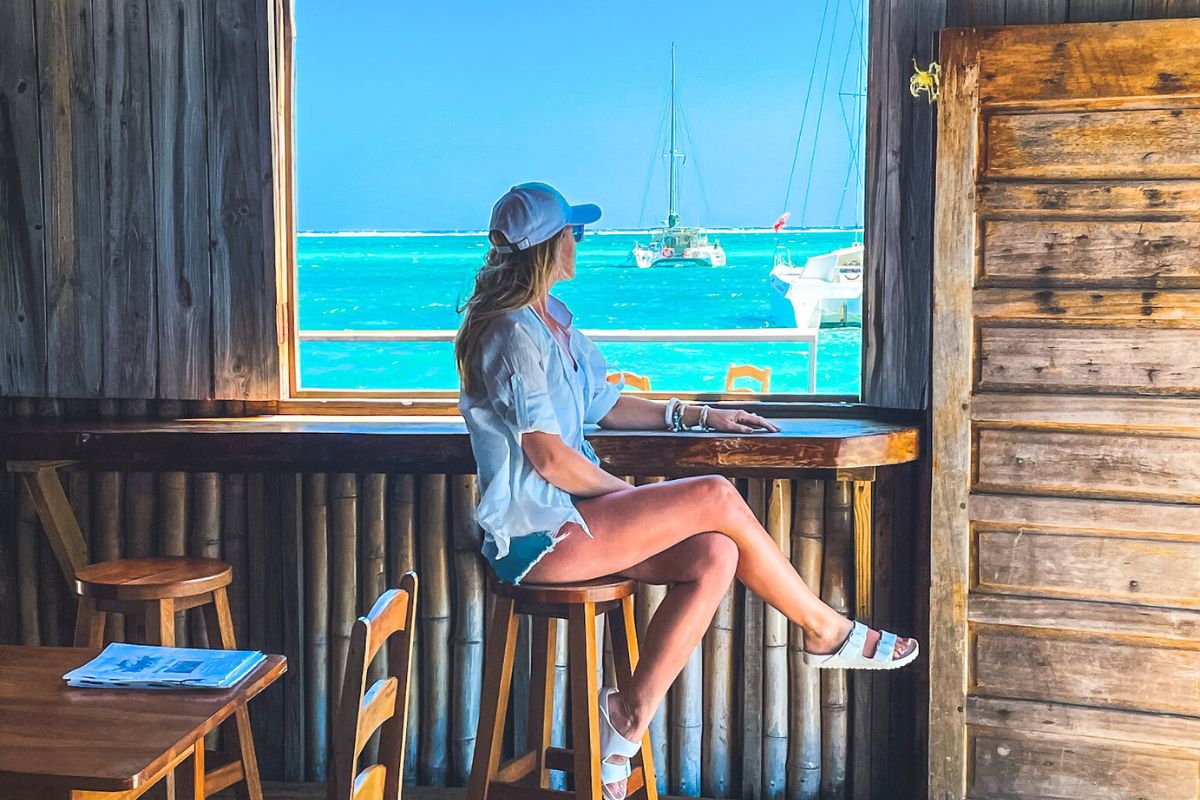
(631, 379)
(763, 376)
(527, 775)
(382, 707)
(154, 589)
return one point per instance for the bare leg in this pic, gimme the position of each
(699, 570)
(633, 525)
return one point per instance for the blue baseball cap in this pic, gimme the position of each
(532, 213)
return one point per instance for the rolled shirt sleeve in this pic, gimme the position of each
(513, 370)
(603, 395)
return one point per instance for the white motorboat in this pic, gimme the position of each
(673, 244)
(826, 291)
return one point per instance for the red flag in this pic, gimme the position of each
(779, 223)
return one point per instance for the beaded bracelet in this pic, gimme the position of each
(704, 419)
(677, 418)
(669, 412)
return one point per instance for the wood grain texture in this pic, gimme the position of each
(1150, 254)
(1134, 144)
(1013, 766)
(183, 298)
(22, 246)
(954, 267)
(1060, 667)
(1088, 565)
(92, 753)
(812, 447)
(71, 188)
(1106, 360)
(245, 347)
(127, 215)
(1089, 197)
(1030, 63)
(898, 230)
(1084, 464)
(1093, 723)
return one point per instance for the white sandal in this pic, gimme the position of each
(850, 654)
(612, 743)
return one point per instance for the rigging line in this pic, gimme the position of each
(812, 72)
(662, 121)
(687, 133)
(852, 165)
(820, 115)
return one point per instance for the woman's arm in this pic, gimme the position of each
(567, 468)
(640, 413)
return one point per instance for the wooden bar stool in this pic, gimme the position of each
(154, 589)
(527, 775)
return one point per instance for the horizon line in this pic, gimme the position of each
(599, 231)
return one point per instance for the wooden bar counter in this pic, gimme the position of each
(317, 513)
(439, 444)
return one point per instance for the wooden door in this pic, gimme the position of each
(1065, 641)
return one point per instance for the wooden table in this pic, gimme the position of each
(57, 741)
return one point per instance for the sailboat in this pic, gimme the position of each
(827, 290)
(673, 244)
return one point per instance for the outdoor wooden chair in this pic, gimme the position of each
(763, 376)
(631, 379)
(383, 707)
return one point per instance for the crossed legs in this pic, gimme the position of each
(694, 534)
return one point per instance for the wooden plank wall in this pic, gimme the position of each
(137, 208)
(322, 546)
(1065, 503)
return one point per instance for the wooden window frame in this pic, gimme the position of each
(431, 401)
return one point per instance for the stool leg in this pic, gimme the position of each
(585, 715)
(190, 785)
(497, 682)
(160, 623)
(623, 629)
(541, 693)
(89, 624)
(239, 737)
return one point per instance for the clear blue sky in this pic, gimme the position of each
(418, 115)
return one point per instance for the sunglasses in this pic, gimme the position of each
(577, 232)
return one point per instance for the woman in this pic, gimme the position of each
(551, 514)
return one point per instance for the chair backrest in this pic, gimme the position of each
(383, 707)
(763, 376)
(631, 379)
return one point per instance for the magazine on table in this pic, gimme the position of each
(136, 666)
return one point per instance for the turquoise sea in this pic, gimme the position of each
(416, 281)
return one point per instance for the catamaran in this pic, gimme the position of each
(674, 244)
(827, 290)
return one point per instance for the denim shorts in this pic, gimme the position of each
(523, 553)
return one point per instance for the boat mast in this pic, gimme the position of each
(672, 217)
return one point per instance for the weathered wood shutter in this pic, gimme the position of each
(1065, 643)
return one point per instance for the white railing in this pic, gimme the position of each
(807, 336)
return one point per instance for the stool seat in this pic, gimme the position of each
(165, 577)
(600, 590)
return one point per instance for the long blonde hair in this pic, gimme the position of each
(505, 282)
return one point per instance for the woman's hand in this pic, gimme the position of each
(738, 421)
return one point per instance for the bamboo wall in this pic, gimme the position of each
(311, 551)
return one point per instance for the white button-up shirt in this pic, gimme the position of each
(528, 383)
